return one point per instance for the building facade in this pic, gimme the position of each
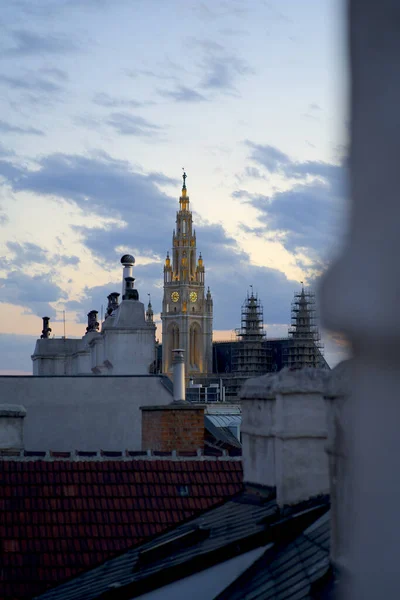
(124, 345)
(187, 309)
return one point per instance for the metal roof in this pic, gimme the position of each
(225, 420)
(228, 525)
(290, 572)
(241, 524)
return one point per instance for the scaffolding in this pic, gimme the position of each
(250, 356)
(305, 348)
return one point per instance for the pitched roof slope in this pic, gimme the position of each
(294, 571)
(59, 518)
(222, 532)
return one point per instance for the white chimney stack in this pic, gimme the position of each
(284, 434)
(127, 261)
(11, 428)
(179, 375)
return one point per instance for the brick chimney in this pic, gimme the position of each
(177, 426)
(11, 429)
(284, 434)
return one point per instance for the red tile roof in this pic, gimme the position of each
(58, 518)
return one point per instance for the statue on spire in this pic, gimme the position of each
(184, 176)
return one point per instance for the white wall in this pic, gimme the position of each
(85, 412)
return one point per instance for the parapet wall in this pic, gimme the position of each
(84, 412)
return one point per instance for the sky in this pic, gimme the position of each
(102, 102)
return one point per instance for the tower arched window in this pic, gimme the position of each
(195, 346)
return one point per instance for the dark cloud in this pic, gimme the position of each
(229, 286)
(102, 186)
(32, 292)
(9, 171)
(26, 253)
(222, 71)
(183, 94)
(8, 128)
(147, 278)
(29, 82)
(165, 70)
(126, 124)
(66, 261)
(269, 157)
(16, 351)
(309, 216)
(103, 99)
(27, 43)
(55, 73)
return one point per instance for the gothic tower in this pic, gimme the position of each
(187, 310)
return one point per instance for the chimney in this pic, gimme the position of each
(11, 429)
(93, 324)
(177, 426)
(46, 328)
(178, 365)
(340, 431)
(284, 434)
(127, 261)
(112, 304)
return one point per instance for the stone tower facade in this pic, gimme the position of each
(187, 310)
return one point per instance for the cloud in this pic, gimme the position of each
(8, 128)
(103, 99)
(108, 188)
(143, 217)
(308, 217)
(55, 73)
(29, 82)
(222, 72)
(183, 94)
(267, 156)
(32, 292)
(27, 43)
(126, 124)
(27, 253)
(15, 352)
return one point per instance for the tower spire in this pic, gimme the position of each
(184, 176)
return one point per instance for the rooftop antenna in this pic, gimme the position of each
(64, 322)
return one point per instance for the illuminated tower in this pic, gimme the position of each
(187, 309)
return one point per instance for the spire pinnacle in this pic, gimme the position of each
(184, 176)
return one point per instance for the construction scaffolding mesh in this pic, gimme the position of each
(250, 356)
(305, 348)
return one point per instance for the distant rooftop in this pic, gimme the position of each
(59, 517)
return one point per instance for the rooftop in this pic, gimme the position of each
(60, 517)
(247, 521)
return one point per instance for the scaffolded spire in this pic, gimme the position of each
(250, 357)
(305, 349)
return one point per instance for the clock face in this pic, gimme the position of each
(193, 296)
(175, 296)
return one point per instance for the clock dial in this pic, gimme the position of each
(193, 296)
(175, 296)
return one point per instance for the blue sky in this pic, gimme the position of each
(102, 102)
